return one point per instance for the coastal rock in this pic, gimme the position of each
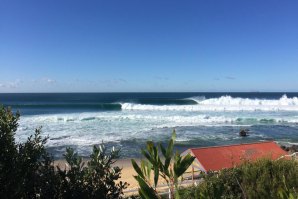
(243, 133)
(290, 149)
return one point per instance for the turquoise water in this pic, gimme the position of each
(128, 120)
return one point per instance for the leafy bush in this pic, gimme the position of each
(94, 180)
(27, 169)
(261, 179)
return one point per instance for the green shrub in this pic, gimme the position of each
(8, 149)
(27, 171)
(96, 179)
(261, 179)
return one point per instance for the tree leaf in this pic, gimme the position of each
(146, 191)
(181, 165)
(137, 168)
(156, 175)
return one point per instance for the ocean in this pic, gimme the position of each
(128, 120)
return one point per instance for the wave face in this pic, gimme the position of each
(225, 103)
(128, 122)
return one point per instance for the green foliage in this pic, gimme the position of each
(261, 179)
(284, 192)
(94, 180)
(27, 171)
(169, 166)
(8, 149)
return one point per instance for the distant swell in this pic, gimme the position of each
(107, 106)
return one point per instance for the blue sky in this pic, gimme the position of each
(138, 45)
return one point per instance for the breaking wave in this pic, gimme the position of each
(166, 120)
(224, 103)
(200, 103)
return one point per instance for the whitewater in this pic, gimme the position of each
(128, 124)
(225, 103)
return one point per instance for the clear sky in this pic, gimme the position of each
(138, 45)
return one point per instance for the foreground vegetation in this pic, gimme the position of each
(261, 179)
(27, 171)
(264, 178)
(170, 170)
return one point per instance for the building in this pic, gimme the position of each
(220, 157)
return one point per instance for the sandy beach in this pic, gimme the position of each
(127, 172)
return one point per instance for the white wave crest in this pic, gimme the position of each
(224, 103)
(155, 119)
(230, 101)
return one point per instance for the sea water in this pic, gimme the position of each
(128, 120)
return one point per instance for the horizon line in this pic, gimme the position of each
(78, 92)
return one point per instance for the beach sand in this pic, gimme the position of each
(127, 172)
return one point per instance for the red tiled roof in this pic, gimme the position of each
(220, 157)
